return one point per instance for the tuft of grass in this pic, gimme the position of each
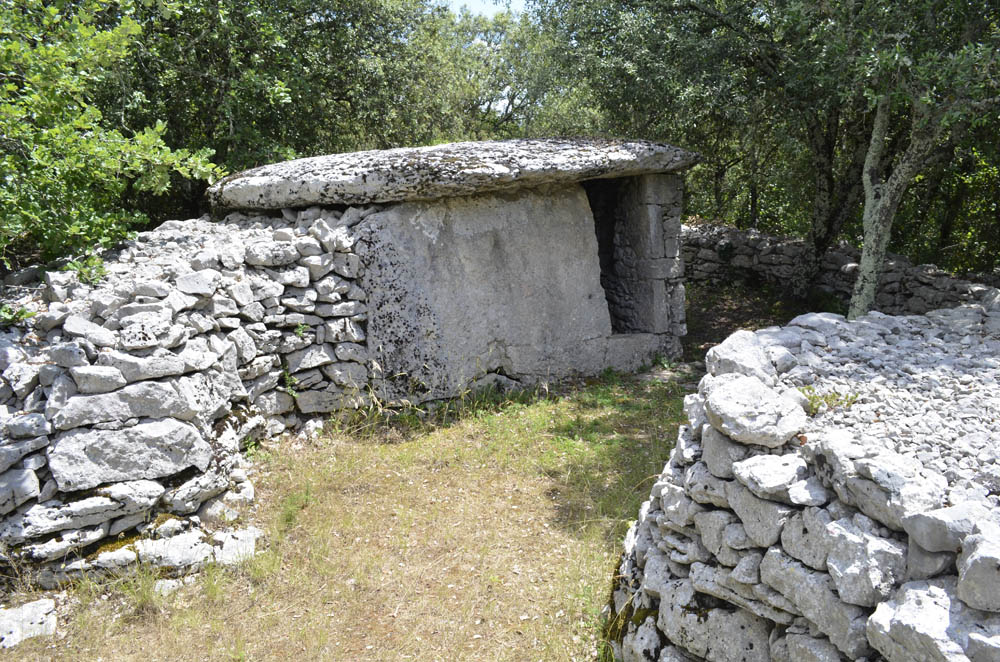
(138, 587)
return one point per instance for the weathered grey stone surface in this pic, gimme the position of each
(425, 173)
(864, 567)
(979, 571)
(813, 593)
(34, 619)
(903, 456)
(926, 622)
(741, 353)
(746, 410)
(87, 458)
(489, 282)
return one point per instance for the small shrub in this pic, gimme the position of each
(820, 402)
(10, 316)
(89, 269)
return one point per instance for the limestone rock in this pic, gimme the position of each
(140, 400)
(190, 495)
(762, 519)
(77, 326)
(82, 459)
(97, 378)
(234, 547)
(864, 567)
(814, 595)
(643, 643)
(979, 572)
(747, 411)
(803, 648)
(719, 452)
(161, 363)
(944, 529)
(927, 622)
(12, 452)
(456, 169)
(703, 487)
(804, 537)
(28, 425)
(34, 619)
(16, 487)
(743, 354)
(714, 634)
(201, 283)
(921, 564)
(181, 553)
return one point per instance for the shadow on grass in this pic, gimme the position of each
(613, 442)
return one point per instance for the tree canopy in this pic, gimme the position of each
(868, 121)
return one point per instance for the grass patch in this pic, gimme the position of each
(484, 529)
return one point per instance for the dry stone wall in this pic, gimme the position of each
(714, 253)
(870, 531)
(126, 403)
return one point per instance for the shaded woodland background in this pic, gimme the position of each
(810, 115)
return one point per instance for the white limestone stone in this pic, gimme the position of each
(34, 619)
(762, 519)
(97, 378)
(979, 572)
(201, 283)
(16, 487)
(813, 593)
(925, 621)
(714, 634)
(747, 411)
(643, 643)
(743, 354)
(719, 452)
(82, 459)
(77, 326)
(864, 567)
(944, 529)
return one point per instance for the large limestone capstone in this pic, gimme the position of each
(426, 173)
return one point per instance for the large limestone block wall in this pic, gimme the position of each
(870, 531)
(715, 253)
(461, 288)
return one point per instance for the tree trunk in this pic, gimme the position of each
(882, 196)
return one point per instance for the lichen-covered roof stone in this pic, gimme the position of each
(457, 169)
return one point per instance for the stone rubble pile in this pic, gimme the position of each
(714, 253)
(125, 404)
(869, 531)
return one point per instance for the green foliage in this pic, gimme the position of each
(11, 316)
(300, 330)
(89, 268)
(781, 102)
(821, 402)
(65, 164)
(289, 382)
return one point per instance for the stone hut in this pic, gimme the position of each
(527, 259)
(411, 274)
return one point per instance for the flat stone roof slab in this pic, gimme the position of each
(456, 169)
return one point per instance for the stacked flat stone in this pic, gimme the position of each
(132, 398)
(715, 253)
(870, 531)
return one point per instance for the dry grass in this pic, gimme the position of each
(490, 537)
